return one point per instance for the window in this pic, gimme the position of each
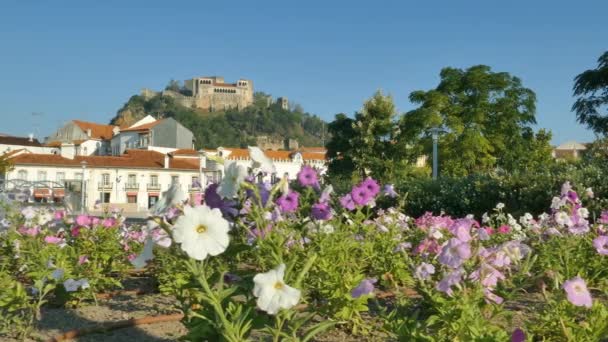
(131, 198)
(105, 179)
(104, 197)
(153, 179)
(195, 183)
(22, 174)
(41, 176)
(59, 177)
(78, 176)
(132, 179)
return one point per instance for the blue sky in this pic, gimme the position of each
(84, 59)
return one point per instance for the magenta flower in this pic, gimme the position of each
(365, 287)
(83, 220)
(321, 211)
(504, 229)
(347, 202)
(59, 215)
(108, 222)
(518, 335)
(308, 177)
(373, 188)
(360, 195)
(454, 253)
(601, 244)
(53, 240)
(603, 217)
(288, 203)
(577, 292)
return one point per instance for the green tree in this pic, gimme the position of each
(591, 87)
(485, 115)
(367, 145)
(5, 164)
(174, 86)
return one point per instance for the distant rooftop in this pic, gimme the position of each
(22, 141)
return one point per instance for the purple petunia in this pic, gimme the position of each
(347, 202)
(449, 280)
(365, 287)
(373, 188)
(577, 292)
(288, 203)
(321, 211)
(487, 275)
(360, 195)
(389, 190)
(454, 253)
(601, 244)
(308, 177)
(214, 200)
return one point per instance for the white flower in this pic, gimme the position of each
(583, 212)
(500, 206)
(563, 219)
(526, 219)
(589, 192)
(260, 161)
(272, 293)
(147, 254)
(84, 284)
(44, 217)
(557, 203)
(485, 218)
(174, 195)
(566, 187)
(202, 231)
(28, 213)
(234, 175)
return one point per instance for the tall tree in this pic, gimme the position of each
(591, 87)
(484, 114)
(367, 144)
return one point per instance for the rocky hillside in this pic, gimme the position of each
(230, 128)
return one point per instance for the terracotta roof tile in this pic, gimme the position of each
(241, 153)
(131, 159)
(98, 131)
(23, 141)
(185, 152)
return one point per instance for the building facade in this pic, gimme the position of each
(89, 138)
(150, 133)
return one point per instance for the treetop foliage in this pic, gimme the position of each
(591, 89)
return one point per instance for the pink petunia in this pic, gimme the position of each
(577, 292)
(601, 244)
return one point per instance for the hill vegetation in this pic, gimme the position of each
(230, 128)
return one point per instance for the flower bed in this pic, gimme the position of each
(294, 261)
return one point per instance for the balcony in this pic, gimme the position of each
(154, 186)
(132, 186)
(105, 186)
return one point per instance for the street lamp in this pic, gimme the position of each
(435, 135)
(82, 186)
(202, 163)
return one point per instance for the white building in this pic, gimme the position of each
(133, 181)
(10, 143)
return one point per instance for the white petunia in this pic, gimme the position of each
(500, 206)
(583, 212)
(147, 254)
(563, 219)
(485, 218)
(260, 161)
(201, 231)
(272, 293)
(557, 203)
(589, 193)
(173, 196)
(234, 175)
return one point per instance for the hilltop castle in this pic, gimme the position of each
(213, 93)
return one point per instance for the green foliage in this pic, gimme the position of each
(591, 89)
(369, 144)
(486, 116)
(233, 128)
(520, 192)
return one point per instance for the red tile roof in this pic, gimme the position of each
(143, 127)
(185, 152)
(22, 141)
(98, 131)
(241, 153)
(131, 159)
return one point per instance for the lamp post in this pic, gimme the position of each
(83, 186)
(435, 135)
(201, 164)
